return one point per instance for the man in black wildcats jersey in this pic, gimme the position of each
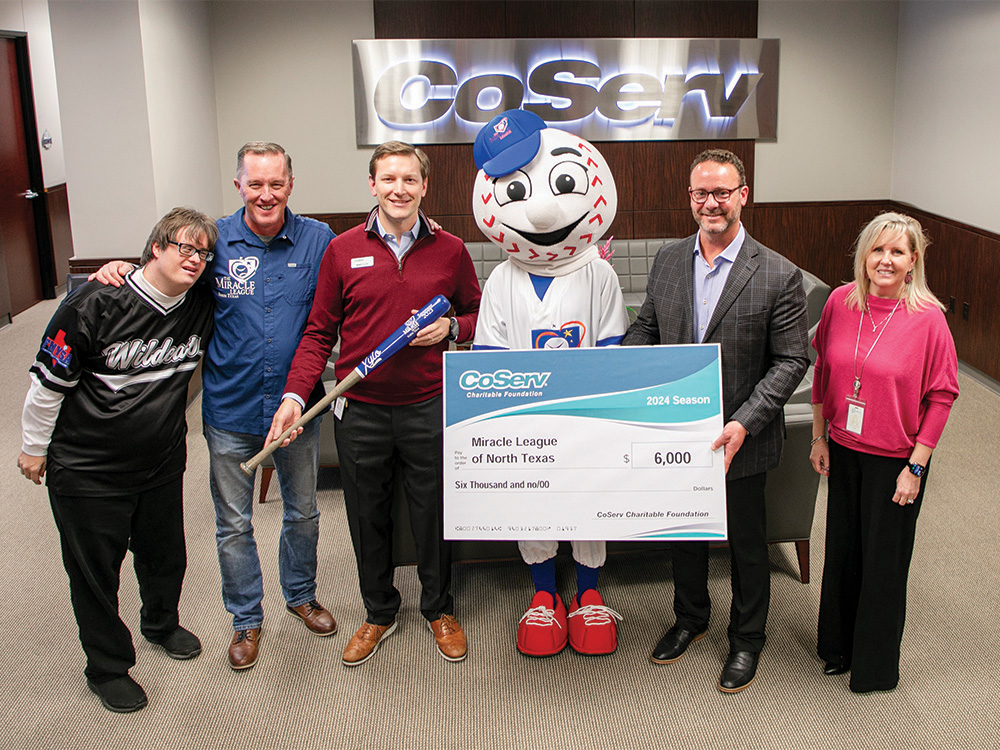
(104, 423)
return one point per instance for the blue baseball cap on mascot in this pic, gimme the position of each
(508, 142)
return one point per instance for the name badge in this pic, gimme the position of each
(855, 414)
(338, 407)
(365, 262)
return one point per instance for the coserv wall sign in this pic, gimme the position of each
(444, 90)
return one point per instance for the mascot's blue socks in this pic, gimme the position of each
(543, 575)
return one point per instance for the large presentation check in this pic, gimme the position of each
(605, 443)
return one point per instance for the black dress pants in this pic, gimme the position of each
(869, 544)
(750, 572)
(95, 533)
(376, 443)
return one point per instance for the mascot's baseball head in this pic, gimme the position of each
(544, 195)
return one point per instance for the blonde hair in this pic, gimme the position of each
(890, 226)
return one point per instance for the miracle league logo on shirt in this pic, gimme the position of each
(238, 283)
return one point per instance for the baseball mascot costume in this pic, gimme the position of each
(546, 197)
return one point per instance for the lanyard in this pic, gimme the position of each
(857, 373)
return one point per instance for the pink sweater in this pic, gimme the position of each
(908, 383)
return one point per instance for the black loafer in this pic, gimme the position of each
(836, 667)
(179, 644)
(123, 695)
(739, 671)
(673, 644)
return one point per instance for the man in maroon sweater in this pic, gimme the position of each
(372, 278)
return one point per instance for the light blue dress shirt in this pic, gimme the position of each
(709, 281)
(401, 247)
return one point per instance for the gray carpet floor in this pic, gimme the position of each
(299, 695)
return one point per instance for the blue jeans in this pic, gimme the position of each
(232, 493)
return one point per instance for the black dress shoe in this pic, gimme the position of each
(739, 671)
(836, 667)
(673, 644)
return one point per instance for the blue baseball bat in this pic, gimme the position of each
(399, 338)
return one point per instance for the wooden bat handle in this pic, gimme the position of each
(249, 467)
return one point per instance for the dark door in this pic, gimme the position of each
(18, 236)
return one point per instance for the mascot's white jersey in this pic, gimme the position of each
(583, 308)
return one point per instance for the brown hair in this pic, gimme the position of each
(398, 148)
(721, 156)
(167, 229)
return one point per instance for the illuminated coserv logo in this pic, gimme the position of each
(444, 90)
(622, 98)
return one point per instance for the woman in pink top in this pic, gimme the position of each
(886, 376)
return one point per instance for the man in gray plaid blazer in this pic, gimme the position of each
(721, 286)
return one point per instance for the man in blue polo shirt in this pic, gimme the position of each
(264, 275)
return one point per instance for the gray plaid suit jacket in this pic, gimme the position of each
(760, 323)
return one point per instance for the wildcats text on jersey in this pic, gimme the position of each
(124, 355)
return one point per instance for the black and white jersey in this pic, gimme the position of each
(112, 374)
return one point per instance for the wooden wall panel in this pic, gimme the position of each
(567, 19)
(818, 237)
(57, 204)
(663, 224)
(962, 264)
(981, 334)
(89, 265)
(696, 18)
(453, 175)
(340, 222)
(621, 160)
(484, 19)
(439, 19)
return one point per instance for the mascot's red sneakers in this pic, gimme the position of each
(542, 630)
(592, 628)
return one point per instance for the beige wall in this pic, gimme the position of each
(283, 73)
(180, 99)
(102, 99)
(835, 101)
(137, 100)
(948, 109)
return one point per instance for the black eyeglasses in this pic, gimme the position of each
(721, 195)
(188, 250)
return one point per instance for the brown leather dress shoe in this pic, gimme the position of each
(365, 643)
(450, 639)
(243, 649)
(314, 617)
